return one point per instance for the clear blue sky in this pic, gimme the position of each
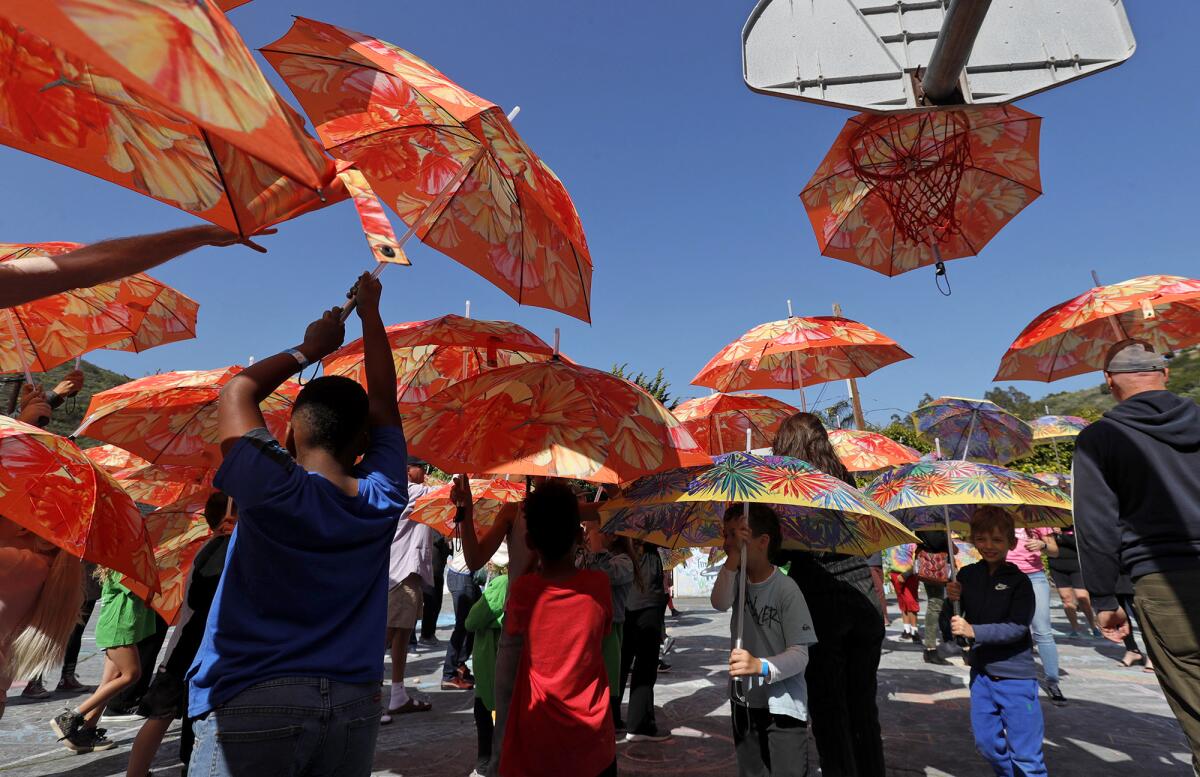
(687, 185)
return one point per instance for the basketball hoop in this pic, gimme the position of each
(915, 163)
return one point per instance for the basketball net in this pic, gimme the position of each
(915, 163)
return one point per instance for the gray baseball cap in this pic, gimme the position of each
(1133, 356)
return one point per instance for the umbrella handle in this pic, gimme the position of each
(738, 690)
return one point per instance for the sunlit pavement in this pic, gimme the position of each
(1115, 720)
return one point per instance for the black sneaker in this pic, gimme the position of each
(1052, 690)
(66, 724)
(932, 657)
(89, 740)
(663, 666)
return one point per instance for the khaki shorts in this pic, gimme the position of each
(404, 604)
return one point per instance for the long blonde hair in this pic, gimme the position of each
(42, 644)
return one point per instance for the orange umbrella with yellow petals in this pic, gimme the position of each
(550, 418)
(177, 531)
(719, 422)
(798, 352)
(49, 487)
(862, 451)
(172, 418)
(436, 510)
(432, 355)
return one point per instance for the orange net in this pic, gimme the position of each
(915, 162)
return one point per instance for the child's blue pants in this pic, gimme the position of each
(1007, 720)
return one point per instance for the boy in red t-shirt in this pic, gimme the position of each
(563, 613)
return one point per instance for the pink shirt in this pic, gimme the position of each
(1028, 561)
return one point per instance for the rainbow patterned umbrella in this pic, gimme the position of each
(869, 451)
(719, 422)
(974, 429)
(1050, 429)
(686, 507)
(934, 494)
(436, 510)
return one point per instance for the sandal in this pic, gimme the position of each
(1130, 660)
(412, 705)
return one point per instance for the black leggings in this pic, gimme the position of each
(483, 735)
(71, 657)
(639, 666)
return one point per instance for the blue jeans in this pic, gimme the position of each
(291, 725)
(464, 592)
(1042, 635)
(1006, 718)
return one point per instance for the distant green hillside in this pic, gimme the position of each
(67, 417)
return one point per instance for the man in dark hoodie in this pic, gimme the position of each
(1137, 512)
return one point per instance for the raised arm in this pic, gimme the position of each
(377, 354)
(238, 411)
(34, 277)
(477, 550)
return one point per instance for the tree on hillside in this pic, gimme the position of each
(656, 386)
(839, 415)
(1014, 401)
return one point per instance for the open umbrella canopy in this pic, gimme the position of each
(974, 429)
(686, 507)
(177, 532)
(863, 451)
(901, 191)
(47, 332)
(1050, 429)
(719, 422)
(432, 355)
(172, 418)
(48, 486)
(170, 315)
(798, 352)
(184, 57)
(488, 495)
(157, 485)
(246, 166)
(927, 494)
(550, 418)
(1073, 338)
(447, 161)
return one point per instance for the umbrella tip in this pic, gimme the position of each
(513, 113)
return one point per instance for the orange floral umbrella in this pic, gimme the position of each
(864, 451)
(177, 532)
(435, 509)
(184, 58)
(719, 422)
(432, 355)
(798, 352)
(157, 485)
(1073, 337)
(42, 334)
(550, 418)
(172, 418)
(48, 486)
(902, 191)
(247, 168)
(447, 161)
(170, 315)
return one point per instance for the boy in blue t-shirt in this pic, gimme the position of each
(997, 608)
(287, 678)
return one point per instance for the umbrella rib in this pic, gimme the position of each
(224, 185)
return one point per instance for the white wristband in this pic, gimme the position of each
(300, 358)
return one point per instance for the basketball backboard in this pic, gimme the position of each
(866, 54)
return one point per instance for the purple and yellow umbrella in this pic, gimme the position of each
(686, 507)
(943, 495)
(974, 430)
(1051, 429)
